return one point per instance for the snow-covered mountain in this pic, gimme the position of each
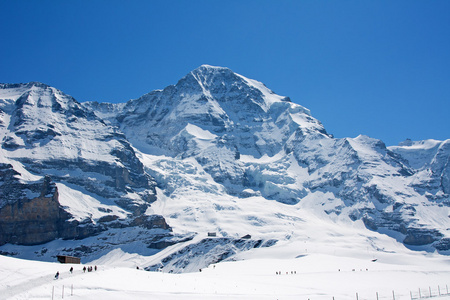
(217, 152)
(65, 173)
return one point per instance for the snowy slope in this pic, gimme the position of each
(311, 275)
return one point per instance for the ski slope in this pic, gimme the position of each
(278, 272)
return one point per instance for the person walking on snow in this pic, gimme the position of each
(57, 275)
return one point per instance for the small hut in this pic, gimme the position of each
(64, 259)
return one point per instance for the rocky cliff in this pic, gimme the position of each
(47, 134)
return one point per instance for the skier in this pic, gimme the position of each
(71, 270)
(84, 269)
(57, 275)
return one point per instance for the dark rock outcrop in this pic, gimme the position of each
(33, 221)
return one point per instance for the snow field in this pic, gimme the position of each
(313, 276)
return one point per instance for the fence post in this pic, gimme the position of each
(439, 290)
(357, 296)
(62, 293)
(411, 295)
(377, 295)
(447, 288)
(393, 295)
(71, 292)
(53, 291)
(430, 290)
(420, 296)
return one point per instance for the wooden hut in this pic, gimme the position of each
(64, 259)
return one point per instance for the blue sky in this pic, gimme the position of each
(379, 68)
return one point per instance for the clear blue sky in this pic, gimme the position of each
(379, 68)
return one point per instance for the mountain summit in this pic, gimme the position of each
(235, 109)
(216, 152)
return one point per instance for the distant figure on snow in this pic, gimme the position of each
(84, 269)
(71, 270)
(57, 275)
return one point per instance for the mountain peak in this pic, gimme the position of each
(211, 68)
(208, 75)
(37, 84)
(207, 71)
(27, 85)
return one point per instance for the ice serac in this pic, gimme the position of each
(49, 137)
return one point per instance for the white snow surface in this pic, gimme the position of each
(286, 271)
(81, 205)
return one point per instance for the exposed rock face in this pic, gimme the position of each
(215, 249)
(51, 131)
(33, 221)
(150, 222)
(417, 237)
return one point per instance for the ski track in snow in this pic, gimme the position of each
(45, 280)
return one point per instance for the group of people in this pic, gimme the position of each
(292, 272)
(89, 269)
